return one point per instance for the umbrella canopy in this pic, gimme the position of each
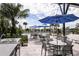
(59, 19)
(43, 26)
(33, 26)
(38, 26)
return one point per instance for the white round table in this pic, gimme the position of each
(57, 42)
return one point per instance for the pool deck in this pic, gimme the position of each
(34, 47)
(31, 50)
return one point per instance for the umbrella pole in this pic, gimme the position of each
(63, 29)
(64, 12)
(63, 23)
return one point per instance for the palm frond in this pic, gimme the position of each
(24, 13)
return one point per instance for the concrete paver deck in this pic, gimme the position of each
(34, 47)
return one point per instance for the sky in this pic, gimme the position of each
(41, 10)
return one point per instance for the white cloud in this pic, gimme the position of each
(46, 8)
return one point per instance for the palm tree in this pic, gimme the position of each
(16, 22)
(77, 25)
(25, 23)
(2, 28)
(4, 24)
(13, 11)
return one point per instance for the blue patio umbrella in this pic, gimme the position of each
(38, 26)
(34, 26)
(42, 26)
(59, 19)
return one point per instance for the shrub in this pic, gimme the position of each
(24, 39)
(7, 35)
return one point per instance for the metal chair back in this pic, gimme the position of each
(68, 50)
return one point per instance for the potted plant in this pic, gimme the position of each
(24, 40)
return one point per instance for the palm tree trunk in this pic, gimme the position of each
(13, 29)
(2, 25)
(25, 28)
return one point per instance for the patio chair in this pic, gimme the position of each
(69, 42)
(2, 35)
(45, 46)
(18, 48)
(42, 38)
(68, 50)
(76, 41)
(64, 39)
(55, 50)
(59, 37)
(50, 50)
